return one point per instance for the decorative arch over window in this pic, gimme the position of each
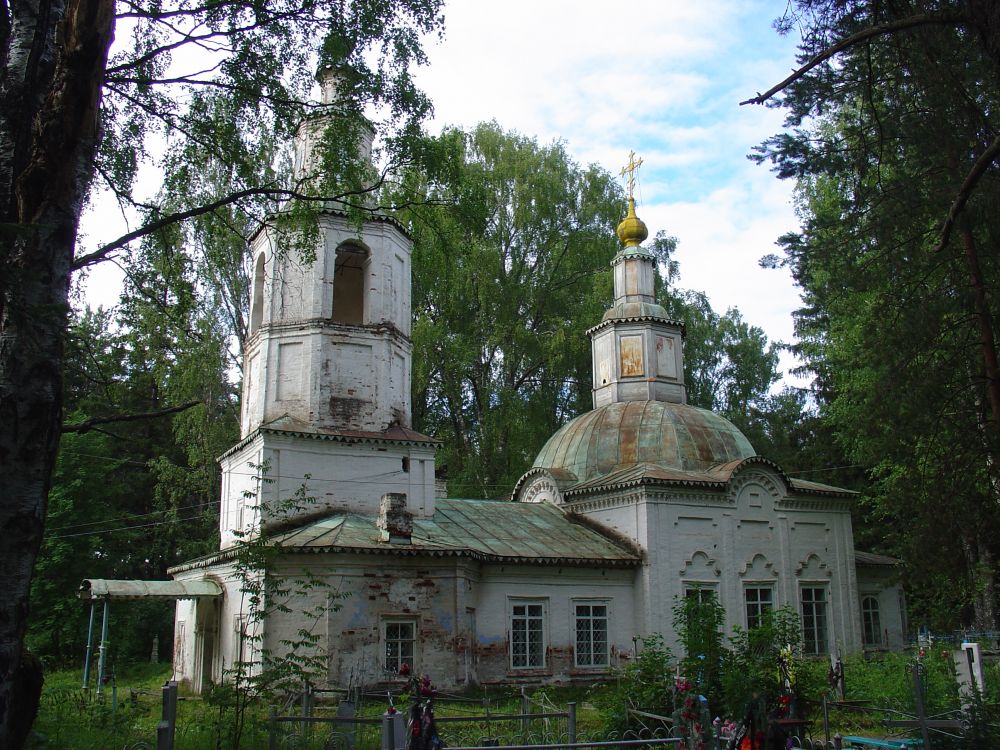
(349, 284)
(257, 305)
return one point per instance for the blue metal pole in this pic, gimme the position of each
(102, 650)
(90, 643)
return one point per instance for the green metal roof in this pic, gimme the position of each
(671, 436)
(483, 529)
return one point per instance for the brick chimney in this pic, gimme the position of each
(395, 522)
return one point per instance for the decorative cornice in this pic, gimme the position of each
(635, 319)
(395, 550)
(350, 438)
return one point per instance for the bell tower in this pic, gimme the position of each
(636, 348)
(326, 409)
(329, 340)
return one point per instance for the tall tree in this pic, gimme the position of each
(511, 254)
(68, 115)
(894, 148)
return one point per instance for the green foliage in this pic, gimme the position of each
(897, 331)
(751, 674)
(115, 483)
(646, 683)
(698, 622)
(512, 245)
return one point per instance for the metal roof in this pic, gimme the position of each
(671, 436)
(870, 558)
(488, 530)
(101, 588)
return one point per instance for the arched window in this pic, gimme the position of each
(257, 301)
(871, 621)
(349, 284)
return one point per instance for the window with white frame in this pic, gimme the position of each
(400, 639)
(591, 618)
(704, 593)
(759, 601)
(871, 621)
(527, 634)
(814, 628)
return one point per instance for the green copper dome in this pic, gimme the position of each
(615, 436)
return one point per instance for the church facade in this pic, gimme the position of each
(640, 501)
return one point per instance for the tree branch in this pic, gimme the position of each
(90, 424)
(968, 185)
(944, 17)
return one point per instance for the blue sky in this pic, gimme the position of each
(663, 78)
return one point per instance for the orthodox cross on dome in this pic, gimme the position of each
(630, 169)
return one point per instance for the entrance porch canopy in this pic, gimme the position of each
(101, 588)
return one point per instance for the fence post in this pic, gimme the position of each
(272, 730)
(525, 709)
(571, 721)
(826, 722)
(165, 730)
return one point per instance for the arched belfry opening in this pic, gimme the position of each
(350, 270)
(257, 301)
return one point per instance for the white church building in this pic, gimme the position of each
(629, 506)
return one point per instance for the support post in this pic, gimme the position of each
(90, 643)
(826, 722)
(571, 721)
(272, 729)
(165, 730)
(102, 650)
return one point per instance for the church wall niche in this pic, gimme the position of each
(631, 363)
(290, 371)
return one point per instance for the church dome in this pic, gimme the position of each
(618, 435)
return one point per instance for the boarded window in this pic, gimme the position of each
(631, 356)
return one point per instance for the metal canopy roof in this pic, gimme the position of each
(99, 588)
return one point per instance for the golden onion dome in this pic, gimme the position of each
(632, 230)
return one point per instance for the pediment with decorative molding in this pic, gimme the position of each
(759, 568)
(812, 566)
(541, 489)
(700, 566)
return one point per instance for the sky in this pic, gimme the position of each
(663, 78)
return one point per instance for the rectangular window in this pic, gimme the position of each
(591, 634)
(871, 621)
(527, 635)
(759, 600)
(400, 638)
(814, 634)
(703, 594)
